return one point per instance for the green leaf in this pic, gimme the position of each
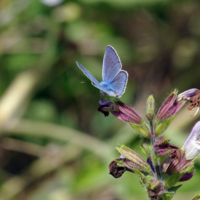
(143, 178)
(140, 129)
(189, 169)
(171, 180)
(158, 159)
(174, 188)
(163, 126)
(168, 195)
(152, 184)
(197, 196)
(146, 146)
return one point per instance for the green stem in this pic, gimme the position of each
(153, 150)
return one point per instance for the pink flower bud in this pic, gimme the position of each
(168, 103)
(120, 110)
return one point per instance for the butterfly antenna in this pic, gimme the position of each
(85, 82)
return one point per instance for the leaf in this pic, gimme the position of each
(143, 179)
(140, 129)
(168, 196)
(158, 159)
(197, 196)
(174, 188)
(171, 180)
(163, 126)
(146, 146)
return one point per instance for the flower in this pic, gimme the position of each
(192, 144)
(162, 146)
(106, 106)
(167, 112)
(155, 189)
(128, 161)
(132, 160)
(187, 94)
(170, 107)
(176, 161)
(192, 95)
(118, 170)
(187, 176)
(120, 110)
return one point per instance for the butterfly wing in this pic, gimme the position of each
(118, 84)
(114, 79)
(89, 75)
(111, 64)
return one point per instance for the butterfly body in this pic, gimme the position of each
(114, 79)
(107, 89)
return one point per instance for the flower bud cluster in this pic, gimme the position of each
(166, 164)
(120, 110)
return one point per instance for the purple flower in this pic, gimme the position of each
(176, 161)
(128, 161)
(170, 106)
(155, 189)
(187, 94)
(192, 144)
(118, 170)
(174, 109)
(187, 176)
(192, 95)
(120, 110)
(106, 106)
(163, 147)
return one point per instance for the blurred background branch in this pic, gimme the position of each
(56, 132)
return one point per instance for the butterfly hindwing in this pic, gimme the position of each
(111, 64)
(118, 84)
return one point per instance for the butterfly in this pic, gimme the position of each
(114, 78)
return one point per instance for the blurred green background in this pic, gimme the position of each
(54, 144)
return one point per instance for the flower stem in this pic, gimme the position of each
(153, 150)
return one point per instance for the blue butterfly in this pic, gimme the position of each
(114, 78)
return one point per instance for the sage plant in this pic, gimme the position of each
(166, 164)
